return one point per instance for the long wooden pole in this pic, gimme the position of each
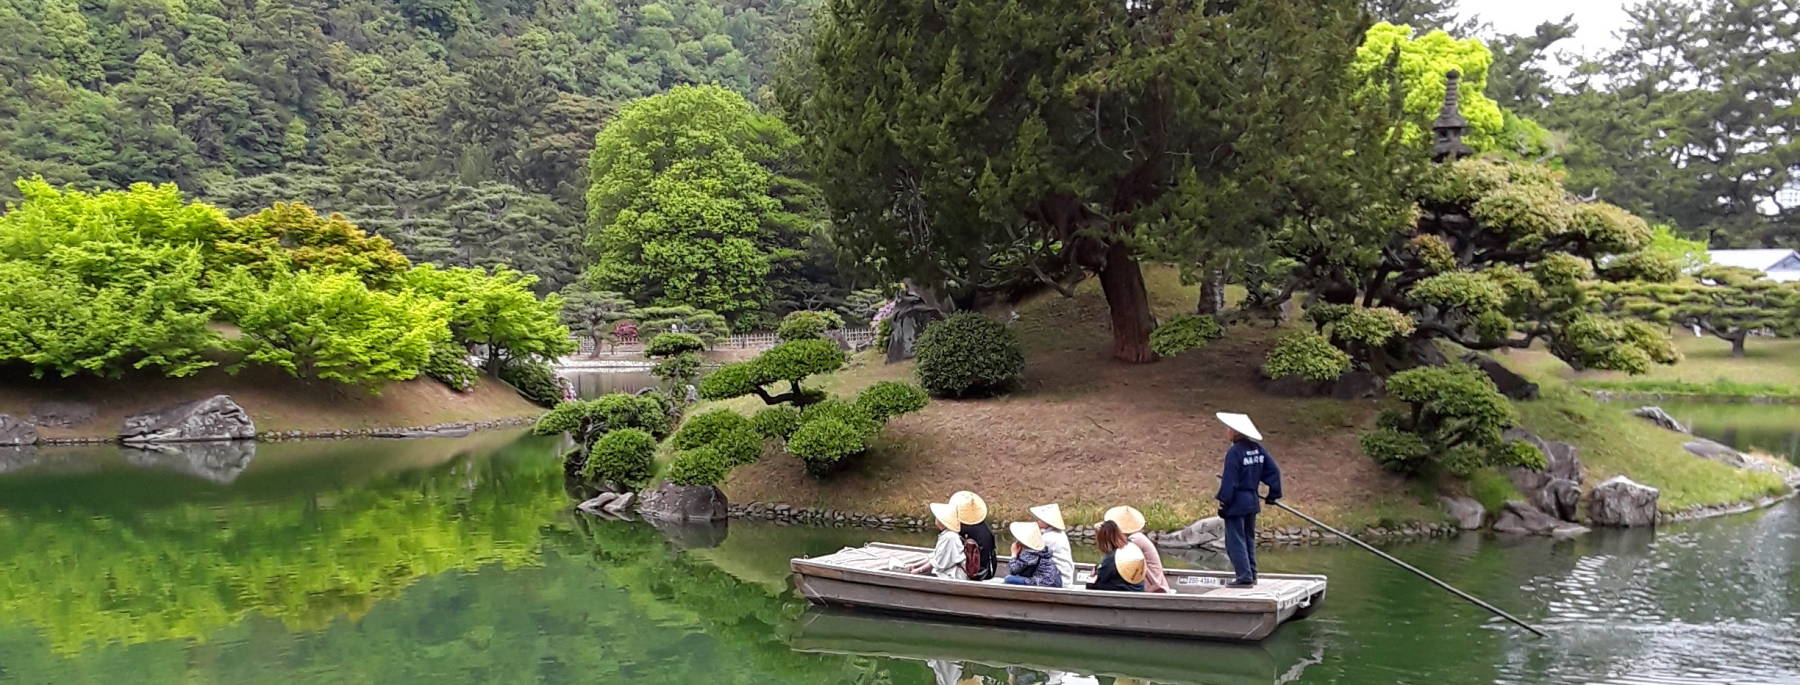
(1446, 586)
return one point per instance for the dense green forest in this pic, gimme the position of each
(459, 129)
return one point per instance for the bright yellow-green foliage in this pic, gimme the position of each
(293, 236)
(496, 308)
(1423, 61)
(332, 326)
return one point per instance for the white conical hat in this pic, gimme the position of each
(1027, 533)
(970, 508)
(1129, 562)
(1240, 423)
(1049, 513)
(945, 515)
(1128, 518)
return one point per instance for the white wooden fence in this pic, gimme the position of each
(856, 338)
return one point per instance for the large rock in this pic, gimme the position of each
(620, 504)
(219, 461)
(1622, 502)
(912, 312)
(1357, 385)
(684, 503)
(598, 502)
(1511, 384)
(1469, 514)
(214, 418)
(61, 414)
(1202, 533)
(1659, 417)
(1707, 449)
(1521, 518)
(16, 432)
(1556, 490)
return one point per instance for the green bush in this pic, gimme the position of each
(789, 361)
(705, 428)
(825, 442)
(776, 422)
(534, 380)
(587, 420)
(1325, 313)
(806, 325)
(449, 364)
(671, 344)
(626, 456)
(883, 331)
(1183, 333)
(841, 411)
(887, 399)
(699, 466)
(678, 370)
(739, 446)
(1307, 355)
(1373, 326)
(968, 354)
(1454, 420)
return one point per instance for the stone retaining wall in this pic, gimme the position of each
(786, 514)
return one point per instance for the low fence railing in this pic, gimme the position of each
(856, 338)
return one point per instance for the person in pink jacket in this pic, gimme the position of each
(1131, 523)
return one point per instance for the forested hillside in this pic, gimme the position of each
(459, 129)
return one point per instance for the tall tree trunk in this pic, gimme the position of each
(1129, 303)
(1212, 293)
(1737, 345)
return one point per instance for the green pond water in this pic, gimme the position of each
(460, 561)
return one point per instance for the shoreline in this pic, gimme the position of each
(1601, 395)
(454, 429)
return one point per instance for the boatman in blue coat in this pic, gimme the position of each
(1247, 468)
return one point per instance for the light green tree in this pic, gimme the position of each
(332, 326)
(496, 309)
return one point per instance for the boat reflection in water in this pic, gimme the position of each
(956, 652)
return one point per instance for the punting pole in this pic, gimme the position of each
(1446, 586)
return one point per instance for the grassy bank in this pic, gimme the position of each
(1090, 433)
(1770, 368)
(274, 400)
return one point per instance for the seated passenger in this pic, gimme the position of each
(972, 513)
(1131, 523)
(946, 560)
(1031, 563)
(1123, 568)
(1056, 542)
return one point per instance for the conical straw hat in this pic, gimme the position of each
(1027, 533)
(969, 507)
(1130, 520)
(1049, 513)
(945, 515)
(1240, 423)
(1129, 560)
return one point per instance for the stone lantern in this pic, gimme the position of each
(1448, 129)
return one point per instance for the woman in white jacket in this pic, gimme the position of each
(1049, 518)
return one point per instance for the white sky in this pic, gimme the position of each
(1596, 19)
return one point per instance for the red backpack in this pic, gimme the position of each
(971, 558)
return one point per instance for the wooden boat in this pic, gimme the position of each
(873, 577)
(1151, 659)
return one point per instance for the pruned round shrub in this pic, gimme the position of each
(887, 399)
(1395, 450)
(586, 420)
(1307, 355)
(788, 361)
(1373, 326)
(805, 325)
(699, 466)
(705, 428)
(534, 380)
(739, 446)
(671, 344)
(626, 456)
(776, 422)
(839, 410)
(1183, 333)
(822, 443)
(680, 369)
(966, 355)
(449, 364)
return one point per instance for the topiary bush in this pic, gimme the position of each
(967, 355)
(671, 344)
(698, 466)
(825, 443)
(587, 420)
(626, 456)
(806, 325)
(449, 364)
(790, 361)
(1307, 355)
(887, 399)
(1183, 333)
(704, 428)
(776, 422)
(534, 380)
(1454, 421)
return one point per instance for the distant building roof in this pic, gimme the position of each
(1767, 261)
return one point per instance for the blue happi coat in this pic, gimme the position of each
(1247, 467)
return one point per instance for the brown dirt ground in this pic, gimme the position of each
(275, 401)
(1089, 433)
